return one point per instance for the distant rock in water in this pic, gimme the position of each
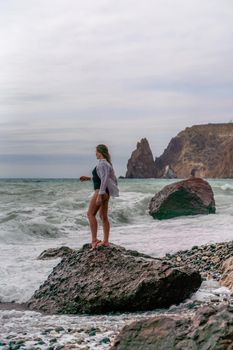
(141, 163)
(211, 327)
(113, 279)
(189, 197)
(206, 148)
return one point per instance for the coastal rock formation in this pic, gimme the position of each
(210, 328)
(169, 173)
(54, 253)
(189, 197)
(206, 148)
(227, 274)
(141, 163)
(113, 279)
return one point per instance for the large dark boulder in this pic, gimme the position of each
(111, 279)
(188, 197)
(211, 328)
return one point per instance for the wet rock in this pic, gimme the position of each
(92, 333)
(110, 280)
(105, 340)
(59, 329)
(211, 266)
(227, 274)
(210, 328)
(53, 340)
(41, 342)
(189, 197)
(54, 253)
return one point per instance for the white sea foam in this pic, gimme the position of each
(30, 325)
(211, 290)
(40, 215)
(227, 187)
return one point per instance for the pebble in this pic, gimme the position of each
(53, 340)
(207, 259)
(59, 329)
(105, 340)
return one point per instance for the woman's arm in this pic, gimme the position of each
(84, 178)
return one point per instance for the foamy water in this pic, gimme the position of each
(36, 215)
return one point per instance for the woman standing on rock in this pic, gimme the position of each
(105, 185)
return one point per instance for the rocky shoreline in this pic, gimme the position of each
(207, 259)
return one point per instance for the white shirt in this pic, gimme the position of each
(108, 178)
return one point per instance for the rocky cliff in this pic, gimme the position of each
(141, 163)
(206, 148)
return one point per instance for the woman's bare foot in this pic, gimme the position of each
(95, 244)
(103, 244)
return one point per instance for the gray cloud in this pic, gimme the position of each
(79, 73)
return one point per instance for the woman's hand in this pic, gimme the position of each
(84, 178)
(101, 198)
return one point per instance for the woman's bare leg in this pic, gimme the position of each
(104, 217)
(91, 214)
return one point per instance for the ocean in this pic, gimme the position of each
(37, 214)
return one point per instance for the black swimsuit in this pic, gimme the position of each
(97, 181)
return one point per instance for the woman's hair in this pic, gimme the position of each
(104, 151)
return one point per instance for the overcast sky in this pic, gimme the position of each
(77, 73)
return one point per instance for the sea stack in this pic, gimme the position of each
(141, 163)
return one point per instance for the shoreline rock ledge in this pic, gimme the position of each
(188, 197)
(211, 327)
(113, 279)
